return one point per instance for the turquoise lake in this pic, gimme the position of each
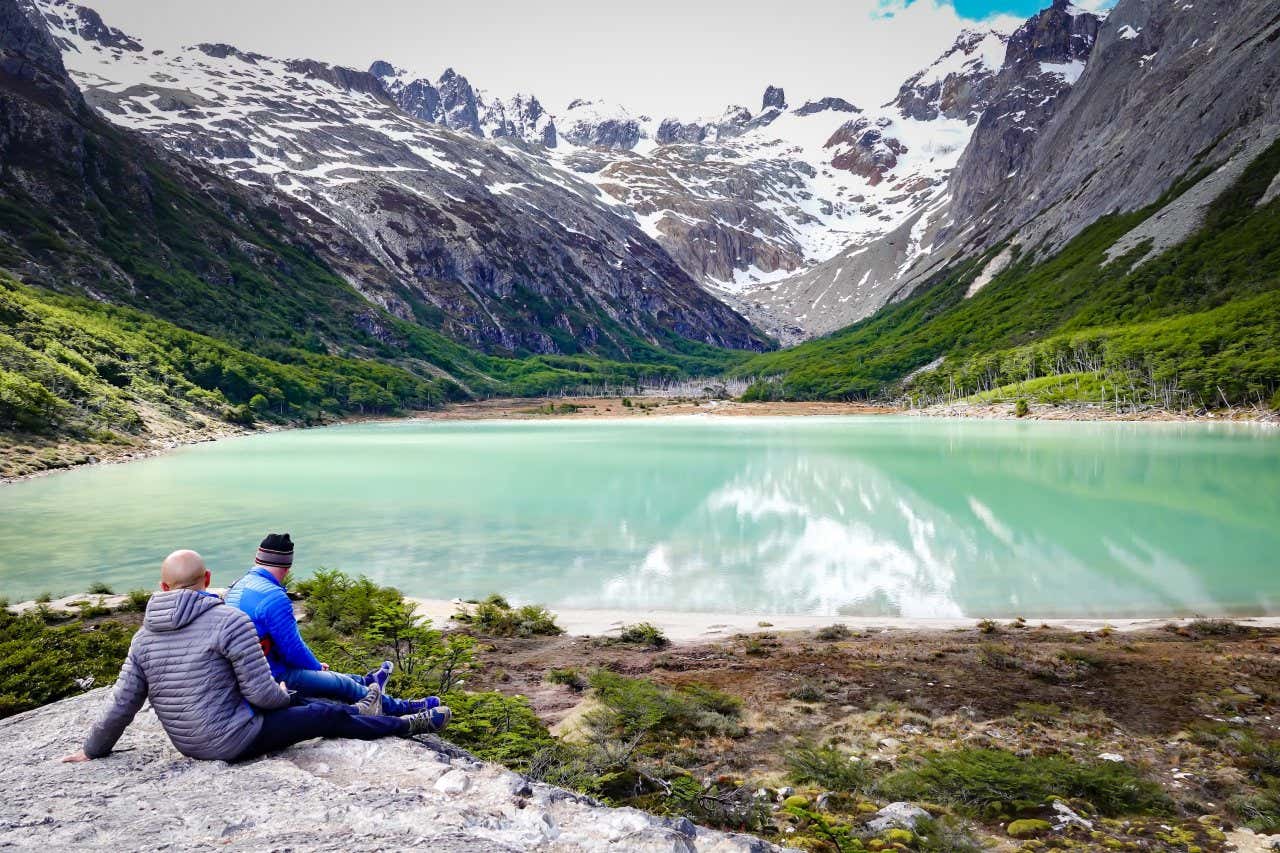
(838, 515)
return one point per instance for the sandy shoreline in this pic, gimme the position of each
(693, 626)
(683, 627)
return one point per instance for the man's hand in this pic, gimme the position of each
(284, 688)
(324, 667)
(76, 758)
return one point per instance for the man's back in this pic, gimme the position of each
(263, 599)
(200, 664)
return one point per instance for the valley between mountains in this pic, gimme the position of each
(195, 239)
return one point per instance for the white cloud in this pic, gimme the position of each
(661, 57)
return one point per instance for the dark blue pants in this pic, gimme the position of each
(327, 684)
(308, 718)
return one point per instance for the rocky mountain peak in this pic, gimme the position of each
(1045, 57)
(600, 125)
(29, 53)
(458, 108)
(959, 83)
(774, 98)
(839, 105)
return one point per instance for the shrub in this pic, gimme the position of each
(644, 634)
(1216, 628)
(497, 728)
(100, 588)
(1260, 811)
(92, 610)
(494, 617)
(42, 663)
(1037, 712)
(137, 600)
(974, 779)
(809, 691)
(831, 633)
(44, 598)
(828, 768)
(354, 623)
(1021, 409)
(635, 708)
(569, 677)
(988, 626)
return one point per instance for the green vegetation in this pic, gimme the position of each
(644, 634)
(569, 677)
(995, 782)
(1198, 325)
(834, 632)
(829, 768)
(42, 663)
(494, 617)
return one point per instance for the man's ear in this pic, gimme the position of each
(164, 586)
(208, 578)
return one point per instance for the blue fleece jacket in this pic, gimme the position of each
(264, 601)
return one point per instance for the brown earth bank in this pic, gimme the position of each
(1177, 703)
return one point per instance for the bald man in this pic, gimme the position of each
(200, 664)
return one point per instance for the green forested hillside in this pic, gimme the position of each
(1198, 325)
(77, 370)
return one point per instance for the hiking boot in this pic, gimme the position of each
(371, 704)
(428, 722)
(417, 706)
(381, 674)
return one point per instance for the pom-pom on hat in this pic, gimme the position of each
(275, 552)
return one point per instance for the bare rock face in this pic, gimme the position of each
(322, 795)
(1045, 57)
(959, 84)
(862, 148)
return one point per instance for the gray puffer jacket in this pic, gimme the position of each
(200, 664)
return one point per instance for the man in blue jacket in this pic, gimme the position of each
(261, 595)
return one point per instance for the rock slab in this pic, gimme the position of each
(322, 795)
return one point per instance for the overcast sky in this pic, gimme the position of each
(663, 57)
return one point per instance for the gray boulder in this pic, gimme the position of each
(897, 816)
(321, 795)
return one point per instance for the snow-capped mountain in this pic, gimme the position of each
(982, 101)
(514, 251)
(806, 217)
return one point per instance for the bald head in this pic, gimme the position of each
(183, 570)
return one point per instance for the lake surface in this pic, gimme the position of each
(842, 515)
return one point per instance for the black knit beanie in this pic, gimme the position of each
(276, 551)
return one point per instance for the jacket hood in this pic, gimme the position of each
(169, 611)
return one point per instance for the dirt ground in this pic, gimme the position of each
(887, 695)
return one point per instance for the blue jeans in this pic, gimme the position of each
(308, 718)
(325, 684)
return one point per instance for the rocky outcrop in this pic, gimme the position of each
(839, 105)
(321, 795)
(960, 83)
(862, 148)
(597, 125)
(1045, 57)
(458, 109)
